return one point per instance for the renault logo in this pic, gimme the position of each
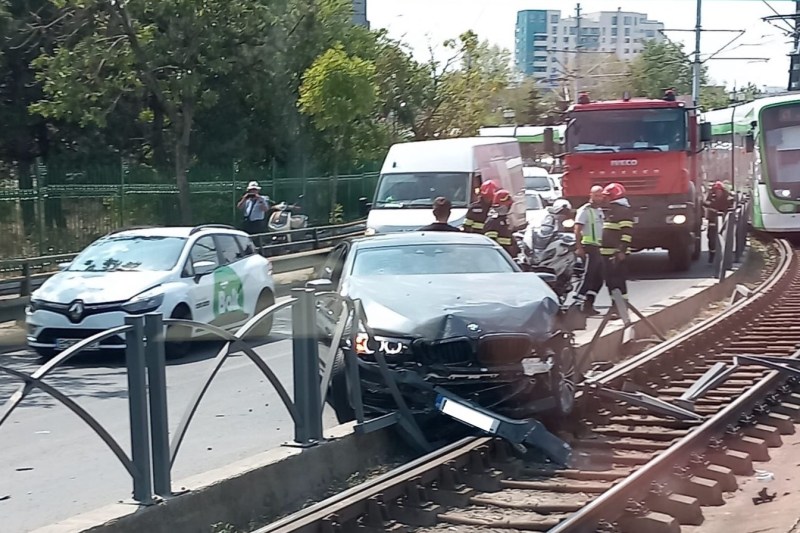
(75, 310)
(473, 327)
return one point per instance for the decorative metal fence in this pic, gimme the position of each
(61, 210)
(153, 450)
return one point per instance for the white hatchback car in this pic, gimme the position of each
(210, 274)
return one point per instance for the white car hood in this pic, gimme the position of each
(97, 287)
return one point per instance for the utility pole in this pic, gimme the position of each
(579, 49)
(794, 57)
(698, 65)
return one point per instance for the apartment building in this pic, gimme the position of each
(546, 43)
(360, 13)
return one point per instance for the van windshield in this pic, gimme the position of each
(420, 189)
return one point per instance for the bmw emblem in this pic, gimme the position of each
(75, 311)
(473, 327)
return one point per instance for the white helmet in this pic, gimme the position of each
(561, 205)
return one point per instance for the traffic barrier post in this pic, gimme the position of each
(157, 384)
(305, 356)
(137, 407)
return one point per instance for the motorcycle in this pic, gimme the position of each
(550, 248)
(285, 218)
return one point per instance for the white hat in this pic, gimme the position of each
(253, 185)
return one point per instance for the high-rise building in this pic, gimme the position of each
(546, 43)
(360, 13)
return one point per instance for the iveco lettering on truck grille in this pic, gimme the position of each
(652, 147)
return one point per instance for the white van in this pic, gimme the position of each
(539, 180)
(415, 173)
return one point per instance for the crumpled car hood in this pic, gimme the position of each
(444, 306)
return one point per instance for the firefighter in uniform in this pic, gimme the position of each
(479, 209)
(616, 241)
(497, 227)
(717, 202)
(588, 236)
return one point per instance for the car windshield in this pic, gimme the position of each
(532, 201)
(127, 253)
(781, 126)
(421, 189)
(426, 259)
(657, 130)
(537, 183)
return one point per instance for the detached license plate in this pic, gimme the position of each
(63, 344)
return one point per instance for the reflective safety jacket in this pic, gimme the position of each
(497, 229)
(476, 216)
(617, 228)
(591, 218)
(719, 201)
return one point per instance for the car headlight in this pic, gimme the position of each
(366, 345)
(146, 302)
(783, 193)
(370, 232)
(676, 219)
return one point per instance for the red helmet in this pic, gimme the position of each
(718, 186)
(488, 190)
(502, 198)
(614, 191)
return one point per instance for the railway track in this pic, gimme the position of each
(637, 466)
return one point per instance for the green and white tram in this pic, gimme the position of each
(756, 147)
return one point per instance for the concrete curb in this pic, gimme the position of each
(281, 481)
(267, 484)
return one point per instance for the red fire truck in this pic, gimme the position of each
(652, 147)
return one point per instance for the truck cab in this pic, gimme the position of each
(651, 147)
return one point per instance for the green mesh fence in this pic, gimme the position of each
(67, 208)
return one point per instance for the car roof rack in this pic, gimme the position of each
(201, 227)
(127, 228)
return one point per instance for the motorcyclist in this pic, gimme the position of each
(559, 212)
(718, 200)
(616, 240)
(589, 235)
(497, 226)
(479, 209)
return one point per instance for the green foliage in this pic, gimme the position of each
(337, 215)
(337, 91)
(660, 66)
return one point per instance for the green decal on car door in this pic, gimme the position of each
(228, 297)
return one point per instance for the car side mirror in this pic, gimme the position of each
(363, 207)
(749, 142)
(63, 266)
(203, 268)
(705, 132)
(320, 285)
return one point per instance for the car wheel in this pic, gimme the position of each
(264, 328)
(338, 397)
(563, 379)
(178, 338)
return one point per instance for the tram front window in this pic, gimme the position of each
(781, 127)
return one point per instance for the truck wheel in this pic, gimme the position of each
(698, 245)
(337, 396)
(680, 255)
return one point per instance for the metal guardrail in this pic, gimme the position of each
(295, 250)
(153, 452)
(732, 237)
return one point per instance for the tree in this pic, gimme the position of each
(605, 76)
(338, 92)
(662, 65)
(714, 97)
(167, 52)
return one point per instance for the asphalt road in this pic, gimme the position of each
(53, 467)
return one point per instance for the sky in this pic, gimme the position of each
(425, 23)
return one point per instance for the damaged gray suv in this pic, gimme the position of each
(449, 311)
